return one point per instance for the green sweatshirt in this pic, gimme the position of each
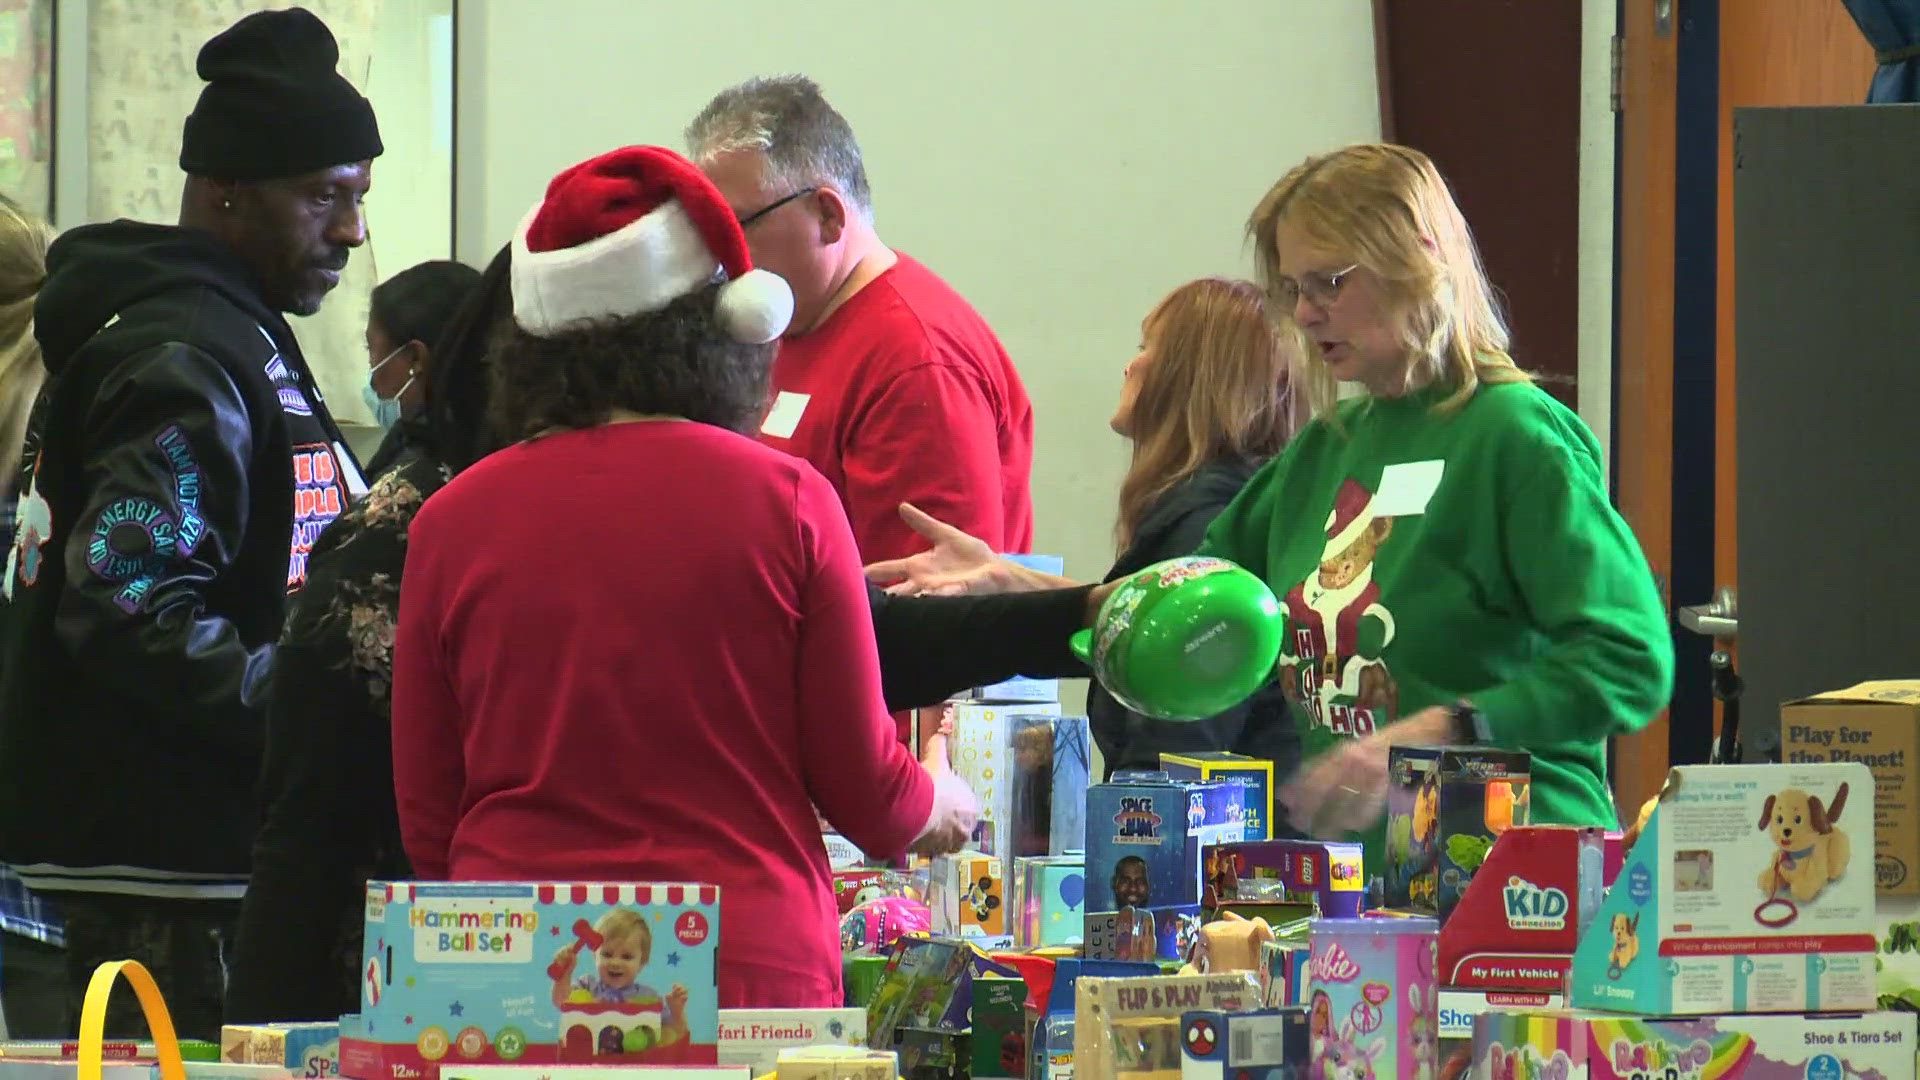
(1423, 559)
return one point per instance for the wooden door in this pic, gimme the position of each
(1685, 65)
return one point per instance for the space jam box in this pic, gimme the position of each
(523, 973)
(1594, 1046)
(1750, 890)
(1146, 833)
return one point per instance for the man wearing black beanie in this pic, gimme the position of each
(179, 464)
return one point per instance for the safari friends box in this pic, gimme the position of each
(1750, 890)
(534, 974)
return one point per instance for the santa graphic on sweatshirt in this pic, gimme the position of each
(1337, 628)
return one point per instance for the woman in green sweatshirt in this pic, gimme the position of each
(1449, 564)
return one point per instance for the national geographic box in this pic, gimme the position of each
(1878, 725)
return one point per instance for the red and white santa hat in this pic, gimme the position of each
(1351, 516)
(629, 232)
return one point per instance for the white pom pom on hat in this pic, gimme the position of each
(629, 232)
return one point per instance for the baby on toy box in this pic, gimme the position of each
(623, 949)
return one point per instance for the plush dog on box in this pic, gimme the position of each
(1230, 944)
(1810, 849)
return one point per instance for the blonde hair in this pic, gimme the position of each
(23, 267)
(623, 923)
(1388, 210)
(1216, 385)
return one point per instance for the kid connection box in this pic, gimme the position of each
(1750, 890)
(533, 974)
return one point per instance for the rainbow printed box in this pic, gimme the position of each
(1751, 890)
(483, 973)
(1590, 1046)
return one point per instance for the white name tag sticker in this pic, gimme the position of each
(356, 484)
(1406, 489)
(784, 418)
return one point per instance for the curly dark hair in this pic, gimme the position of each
(677, 361)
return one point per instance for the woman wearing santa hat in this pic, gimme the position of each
(1471, 582)
(636, 645)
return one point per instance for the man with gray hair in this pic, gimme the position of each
(887, 381)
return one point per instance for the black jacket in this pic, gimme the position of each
(180, 463)
(1261, 727)
(329, 820)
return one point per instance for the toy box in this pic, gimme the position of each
(1072, 772)
(754, 1038)
(1271, 1044)
(535, 974)
(591, 1072)
(110, 1050)
(999, 1027)
(836, 1063)
(842, 854)
(934, 1053)
(1745, 893)
(927, 983)
(1445, 806)
(1371, 997)
(1578, 1046)
(968, 897)
(1130, 1027)
(1143, 934)
(1145, 836)
(1283, 972)
(1005, 754)
(1522, 916)
(1255, 776)
(1326, 874)
(1460, 1008)
(1878, 725)
(1048, 903)
(305, 1050)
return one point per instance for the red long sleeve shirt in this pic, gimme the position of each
(904, 394)
(644, 652)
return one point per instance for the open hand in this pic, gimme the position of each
(956, 564)
(955, 812)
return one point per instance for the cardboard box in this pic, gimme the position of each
(1254, 774)
(473, 973)
(1897, 944)
(1878, 725)
(1445, 806)
(1326, 874)
(968, 899)
(1049, 896)
(837, 1063)
(1272, 1044)
(1283, 972)
(754, 1038)
(592, 1072)
(1072, 774)
(1460, 1008)
(1128, 1026)
(1143, 934)
(1522, 917)
(1577, 1046)
(1005, 754)
(305, 1050)
(999, 1027)
(1146, 834)
(1372, 997)
(1747, 892)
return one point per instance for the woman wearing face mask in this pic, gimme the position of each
(407, 313)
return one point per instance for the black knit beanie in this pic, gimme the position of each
(275, 104)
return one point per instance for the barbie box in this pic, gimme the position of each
(1751, 890)
(534, 974)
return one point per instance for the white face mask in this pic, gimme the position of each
(386, 411)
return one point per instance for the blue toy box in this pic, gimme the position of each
(1048, 894)
(1256, 774)
(534, 974)
(1145, 834)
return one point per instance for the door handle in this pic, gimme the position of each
(1718, 619)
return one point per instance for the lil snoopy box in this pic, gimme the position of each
(478, 973)
(1750, 890)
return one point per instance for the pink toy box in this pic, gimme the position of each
(478, 973)
(1371, 1003)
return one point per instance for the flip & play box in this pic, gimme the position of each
(1750, 890)
(478, 973)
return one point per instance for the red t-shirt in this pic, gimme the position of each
(906, 395)
(643, 652)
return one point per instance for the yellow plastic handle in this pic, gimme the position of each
(93, 1019)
